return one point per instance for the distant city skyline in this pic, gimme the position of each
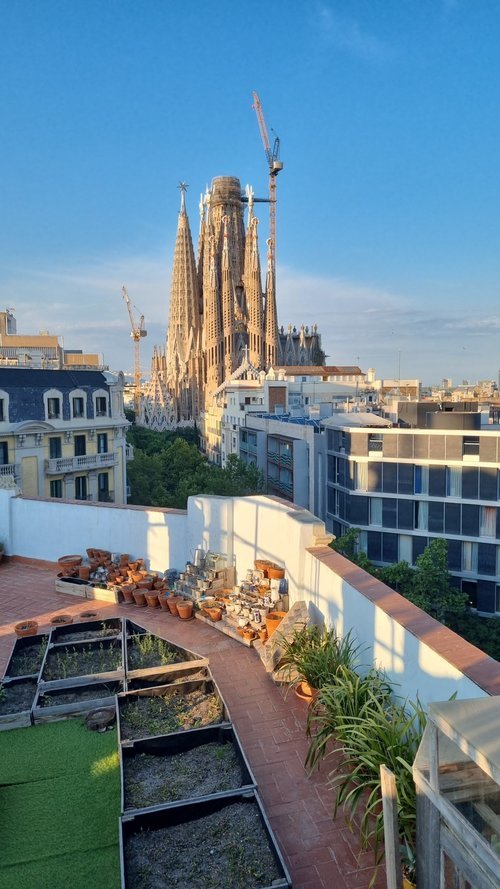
(388, 204)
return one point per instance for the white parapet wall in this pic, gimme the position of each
(245, 529)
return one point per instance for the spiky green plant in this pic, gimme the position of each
(316, 654)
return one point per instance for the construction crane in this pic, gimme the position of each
(275, 167)
(137, 331)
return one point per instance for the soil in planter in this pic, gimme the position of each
(226, 849)
(80, 635)
(28, 660)
(17, 697)
(144, 682)
(148, 650)
(83, 661)
(207, 769)
(76, 695)
(158, 715)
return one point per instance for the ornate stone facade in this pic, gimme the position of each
(219, 312)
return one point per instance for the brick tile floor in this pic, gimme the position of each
(320, 853)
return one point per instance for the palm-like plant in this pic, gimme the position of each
(316, 654)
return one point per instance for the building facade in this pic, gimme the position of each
(402, 487)
(62, 434)
(220, 311)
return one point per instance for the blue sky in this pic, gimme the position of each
(389, 202)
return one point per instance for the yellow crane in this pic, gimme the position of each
(137, 331)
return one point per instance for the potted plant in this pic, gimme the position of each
(313, 656)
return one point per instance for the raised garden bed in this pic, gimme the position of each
(59, 703)
(94, 629)
(146, 650)
(209, 844)
(168, 675)
(181, 767)
(100, 659)
(16, 700)
(27, 656)
(169, 708)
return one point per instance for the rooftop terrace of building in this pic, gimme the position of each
(420, 655)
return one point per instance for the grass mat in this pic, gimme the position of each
(59, 807)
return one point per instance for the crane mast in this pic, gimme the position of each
(275, 166)
(137, 331)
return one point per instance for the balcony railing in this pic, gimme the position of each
(8, 469)
(129, 452)
(59, 465)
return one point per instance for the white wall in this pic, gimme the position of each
(244, 528)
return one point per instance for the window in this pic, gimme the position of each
(421, 515)
(81, 487)
(469, 556)
(80, 445)
(103, 486)
(54, 408)
(361, 476)
(470, 446)
(54, 450)
(421, 479)
(102, 443)
(2, 415)
(405, 548)
(375, 510)
(56, 488)
(4, 453)
(375, 442)
(78, 407)
(101, 406)
(453, 481)
(487, 521)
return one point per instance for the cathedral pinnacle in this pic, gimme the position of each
(183, 187)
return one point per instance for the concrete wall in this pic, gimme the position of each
(247, 528)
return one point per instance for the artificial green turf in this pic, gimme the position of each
(59, 807)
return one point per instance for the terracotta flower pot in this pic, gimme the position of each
(172, 604)
(124, 560)
(214, 614)
(305, 692)
(275, 573)
(273, 621)
(407, 884)
(89, 615)
(249, 635)
(26, 628)
(152, 599)
(70, 561)
(91, 552)
(84, 572)
(263, 635)
(144, 584)
(128, 592)
(134, 576)
(60, 620)
(163, 600)
(185, 609)
(139, 598)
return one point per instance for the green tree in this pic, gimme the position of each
(432, 589)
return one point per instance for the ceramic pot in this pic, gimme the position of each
(214, 614)
(26, 628)
(163, 600)
(60, 620)
(273, 621)
(275, 573)
(263, 635)
(185, 609)
(172, 604)
(139, 598)
(152, 599)
(305, 692)
(249, 635)
(144, 584)
(128, 592)
(70, 561)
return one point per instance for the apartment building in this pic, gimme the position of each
(62, 434)
(435, 476)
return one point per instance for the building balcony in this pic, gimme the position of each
(8, 475)
(60, 465)
(129, 452)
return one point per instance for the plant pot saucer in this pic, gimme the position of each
(304, 692)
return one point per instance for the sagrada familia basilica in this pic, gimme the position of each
(222, 321)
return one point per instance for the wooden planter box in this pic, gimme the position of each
(108, 595)
(169, 675)
(60, 634)
(51, 711)
(208, 686)
(186, 815)
(186, 657)
(78, 679)
(170, 745)
(72, 586)
(19, 718)
(19, 646)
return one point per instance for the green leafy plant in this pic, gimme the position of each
(316, 654)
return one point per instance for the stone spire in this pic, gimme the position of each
(270, 314)
(229, 306)
(253, 287)
(184, 326)
(212, 328)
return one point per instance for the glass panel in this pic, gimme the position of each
(469, 556)
(421, 479)
(453, 481)
(361, 476)
(405, 548)
(488, 521)
(421, 515)
(376, 511)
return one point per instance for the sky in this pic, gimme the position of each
(388, 216)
